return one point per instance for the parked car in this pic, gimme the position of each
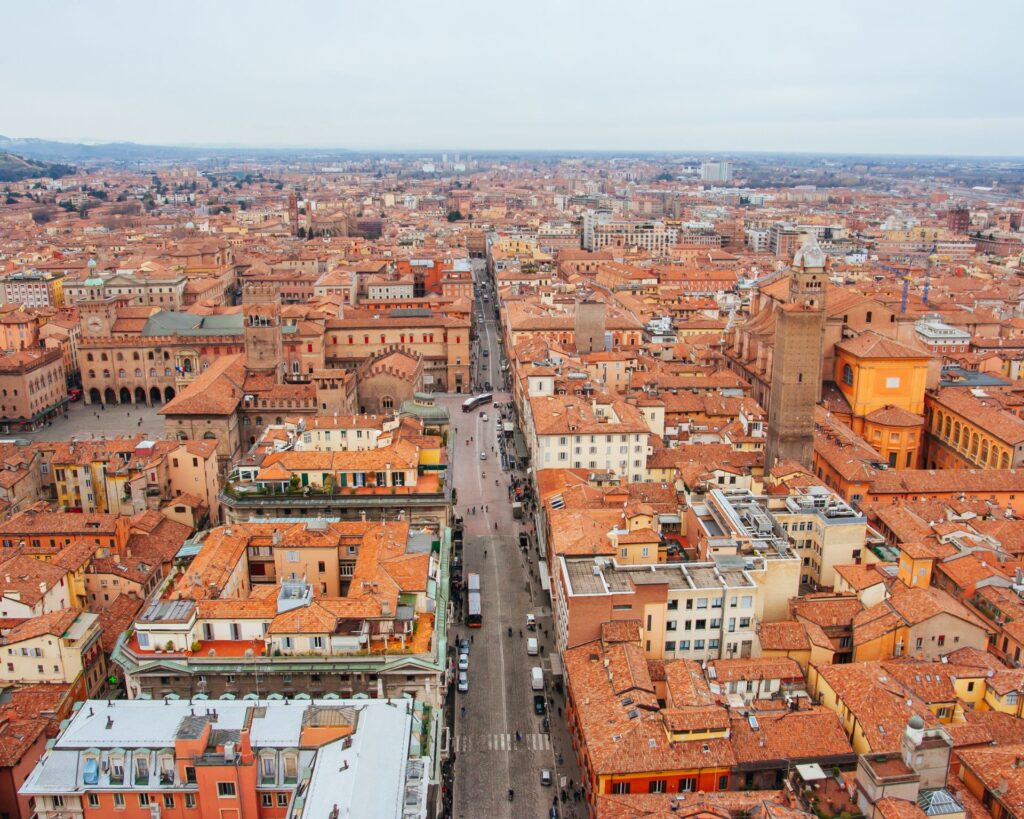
(539, 705)
(531, 645)
(463, 682)
(463, 662)
(531, 622)
(537, 678)
(75, 394)
(545, 777)
(464, 646)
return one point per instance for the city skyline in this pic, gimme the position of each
(790, 78)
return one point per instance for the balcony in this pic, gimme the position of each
(430, 490)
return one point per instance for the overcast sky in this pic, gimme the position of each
(897, 76)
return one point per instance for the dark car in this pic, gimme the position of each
(524, 540)
(539, 705)
(463, 646)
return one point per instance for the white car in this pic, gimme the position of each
(463, 662)
(483, 416)
(463, 682)
(483, 456)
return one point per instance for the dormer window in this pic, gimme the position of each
(141, 767)
(116, 769)
(291, 767)
(268, 769)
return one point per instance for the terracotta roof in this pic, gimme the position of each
(872, 345)
(54, 622)
(785, 635)
(999, 770)
(876, 701)
(815, 734)
(892, 416)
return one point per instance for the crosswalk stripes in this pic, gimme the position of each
(538, 742)
(464, 743)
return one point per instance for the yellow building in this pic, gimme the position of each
(59, 647)
(874, 372)
(917, 560)
(972, 431)
(1003, 692)
(923, 623)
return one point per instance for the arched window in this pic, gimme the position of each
(209, 436)
(138, 373)
(135, 356)
(974, 443)
(387, 403)
(106, 373)
(152, 372)
(88, 357)
(956, 434)
(948, 425)
(121, 373)
(1005, 461)
(984, 452)
(848, 374)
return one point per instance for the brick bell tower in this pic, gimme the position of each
(797, 359)
(264, 351)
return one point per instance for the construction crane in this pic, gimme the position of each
(904, 276)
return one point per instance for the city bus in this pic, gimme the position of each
(475, 618)
(471, 404)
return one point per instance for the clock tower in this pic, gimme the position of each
(98, 317)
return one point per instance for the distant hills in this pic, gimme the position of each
(49, 150)
(14, 168)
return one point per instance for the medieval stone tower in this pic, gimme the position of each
(796, 360)
(293, 213)
(589, 325)
(262, 316)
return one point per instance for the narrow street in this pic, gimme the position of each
(489, 758)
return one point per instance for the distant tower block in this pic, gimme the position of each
(264, 351)
(589, 329)
(796, 361)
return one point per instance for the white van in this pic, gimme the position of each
(531, 646)
(537, 678)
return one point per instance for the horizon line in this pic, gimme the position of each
(240, 146)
